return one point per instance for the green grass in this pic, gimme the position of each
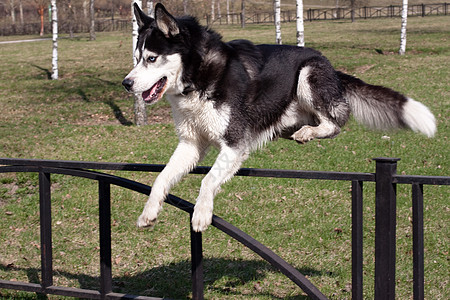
(86, 115)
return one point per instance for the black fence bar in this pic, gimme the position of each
(418, 246)
(385, 228)
(196, 264)
(248, 172)
(104, 192)
(46, 230)
(357, 240)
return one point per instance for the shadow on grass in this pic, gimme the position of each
(118, 113)
(239, 278)
(89, 88)
(46, 71)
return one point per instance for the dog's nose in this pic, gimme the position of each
(128, 83)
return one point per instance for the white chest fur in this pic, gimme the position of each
(195, 117)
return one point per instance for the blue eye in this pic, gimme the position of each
(152, 59)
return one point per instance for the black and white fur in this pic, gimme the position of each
(237, 96)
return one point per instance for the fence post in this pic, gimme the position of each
(357, 240)
(46, 230)
(418, 246)
(104, 201)
(197, 264)
(385, 227)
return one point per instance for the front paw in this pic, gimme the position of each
(201, 218)
(147, 218)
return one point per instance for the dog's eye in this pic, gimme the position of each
(152, 59)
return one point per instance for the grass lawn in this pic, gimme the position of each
(86, 115)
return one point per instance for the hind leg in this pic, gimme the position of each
(326, 129)
(320, 93)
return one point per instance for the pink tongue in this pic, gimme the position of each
(149, 94)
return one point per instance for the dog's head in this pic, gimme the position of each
(159, 65)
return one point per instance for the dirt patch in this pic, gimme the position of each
(160, 115)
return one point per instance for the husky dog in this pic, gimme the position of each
(237, 96)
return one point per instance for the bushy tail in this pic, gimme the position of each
(382, 108)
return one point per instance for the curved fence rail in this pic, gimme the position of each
(385, 179)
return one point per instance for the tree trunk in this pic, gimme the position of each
(402, 49)
(85, 10)
(41, 16)
(140, 112)
(13, 11)
(352, 10)
(219, 13)
(21, 12)
(300, 25)
(92, 20)
(243, 14)
(277, 6)
(228, 12)
(55, 40)
(70, 17)
(185, 7)
(150, 7)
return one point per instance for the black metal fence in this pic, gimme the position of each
(385, 178)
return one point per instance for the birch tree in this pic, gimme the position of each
(140, 113)
(300, 25)
(243, 13)
(92, 20)
(277, 7)
(55, 40)
(150, 6)
(12, 6)
(185, 7)
(403, 29)
(228, 12)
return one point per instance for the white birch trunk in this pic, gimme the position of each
(150, 7)
(403, 29)
(228, 12)
(300, 25)
(219, 13)
(277, 4)
(92, 20)
(13, 11)
(85, 9)
(21, 12)
(185, 7)
(140, 113)
(55, 40)
(135, 28)
(243, 13)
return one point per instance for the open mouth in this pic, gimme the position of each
(155, 93)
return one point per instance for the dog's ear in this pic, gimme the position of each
(142, 19)
(165, 21)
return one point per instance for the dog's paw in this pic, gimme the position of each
(147, 218)
(201, 218)
(304, 134)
